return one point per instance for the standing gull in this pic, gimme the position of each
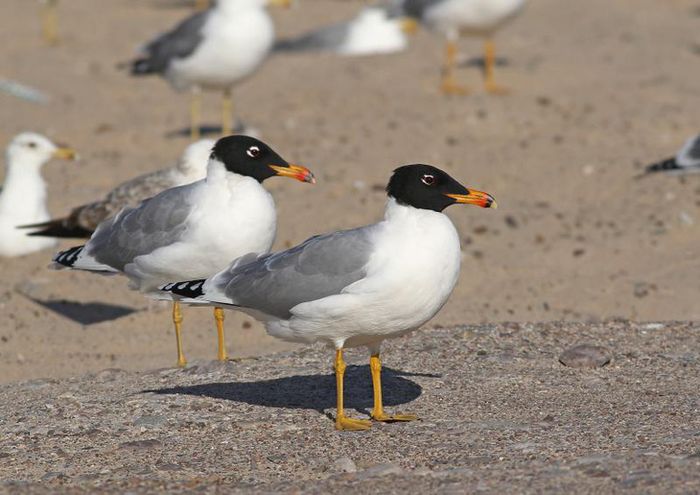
(454, 18)
(212, 50)
(375, 30)
(23, 195)
(192, 231)
(355, 287)
(687, 160)
(82, 221)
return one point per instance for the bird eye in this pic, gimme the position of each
(428, 180)
(31, 144)
(253, 152)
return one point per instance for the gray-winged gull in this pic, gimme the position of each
(212, 50)
(355, 287)
(453, 18)
(193, 230)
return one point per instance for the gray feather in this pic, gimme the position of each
(320, 267)
(178, 43)
(418, 8)
(329, 38)
(157, 222)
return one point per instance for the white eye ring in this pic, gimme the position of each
(428, 180)
(253, 152)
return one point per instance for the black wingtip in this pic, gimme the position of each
(190, 288)
(57, 228)
(69, 256)
(663, 166)
(141, 67)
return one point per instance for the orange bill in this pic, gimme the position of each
(297, 172)
(474, 197)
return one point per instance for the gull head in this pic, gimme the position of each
(32, 149)
(429, 188)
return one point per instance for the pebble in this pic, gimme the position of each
(344, 465)
(585, 356)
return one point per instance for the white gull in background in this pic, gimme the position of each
(212, 50)
(455, 18)
(374, 30)
(355, 287)
(686, 161)
(195, 230)
(23, 195)
(82, 221)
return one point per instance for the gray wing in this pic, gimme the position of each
(689, 155)
(157, 222)
(329, 38)
(178, 43)
(321, 266)
(418, 8)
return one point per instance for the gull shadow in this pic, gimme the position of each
(85, 313)
(309, 391)
(481, 63)
(212, 130)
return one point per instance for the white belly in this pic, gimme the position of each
(472, 17)
(233, 49)
(371, 33)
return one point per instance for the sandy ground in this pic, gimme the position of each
(499, 414)
(599, 89)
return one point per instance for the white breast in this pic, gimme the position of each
(474, 17)
(22, 202)
(372, 33)
(235, 44)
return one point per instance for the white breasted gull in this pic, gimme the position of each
(376, 29)
(192, 231)
(454, 18)
(23, 195)
(212, 50)
(82, 220)
(355, 287)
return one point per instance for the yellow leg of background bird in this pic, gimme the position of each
(219, 317)
(177, 321)
(49, 22)
(342, 422)
(201, 4)
(227, 113)
(489, 64)
(195, 114)
(449, 84)
(375, 365)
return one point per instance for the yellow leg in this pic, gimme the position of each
(375, 365)
(342, 422)
(449, 84)
(201, 4)
(177, 321)
(489, 64)
(195, 114)
(219, 316)
(227, 113)
(49, 22)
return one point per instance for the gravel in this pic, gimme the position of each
(500, 414)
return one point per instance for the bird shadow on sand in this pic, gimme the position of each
(85, 313)
(213, 131)
(480, 62)
(311, 391)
